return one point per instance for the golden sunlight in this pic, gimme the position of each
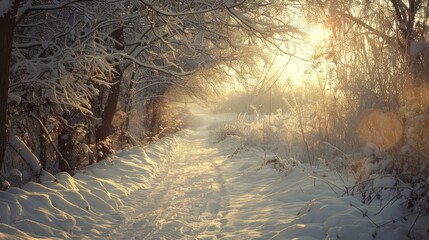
(316, 35)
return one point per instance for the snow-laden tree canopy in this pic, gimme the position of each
(73, 64)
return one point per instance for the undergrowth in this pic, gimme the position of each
(373, 176)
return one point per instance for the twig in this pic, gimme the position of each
(396, 197)
(48, 137)
(414, 223)
(372, 198)
(394, 220)
(366, 215)
(328, 183)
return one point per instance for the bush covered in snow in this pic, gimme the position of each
(368, 150)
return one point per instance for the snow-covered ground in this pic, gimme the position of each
(188, 186)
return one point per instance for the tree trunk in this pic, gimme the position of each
(7, 26)
(153, 117)
(156, 116)
(65, 146)
(129, 103)
(43, 147)
(103, 131)
(90, 139)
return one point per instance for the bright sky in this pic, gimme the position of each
(297, 66)
(295, 70)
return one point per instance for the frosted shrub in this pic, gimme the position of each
(224, 130)
(246, 101)
(108, 144)
(227, 130)
(396, 167)
(264, 130)
(274, 133)
(282, 166)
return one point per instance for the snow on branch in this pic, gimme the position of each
(154, 67)
(55, 6)
(183, 13)
(21, 148)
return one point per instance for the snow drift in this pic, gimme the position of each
(89, 204)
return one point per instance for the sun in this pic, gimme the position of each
(315, 38)
(316, 35)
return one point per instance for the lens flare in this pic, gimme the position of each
(381, 128)
(416, 99)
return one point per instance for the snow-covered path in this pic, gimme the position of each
(208, 192)
(186, 201)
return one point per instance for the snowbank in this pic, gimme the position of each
(313, 203)
(63, 207)
(309, 203)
